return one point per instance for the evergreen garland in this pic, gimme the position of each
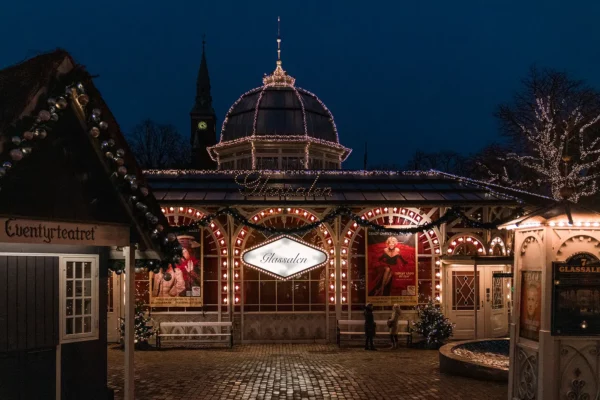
(449, 216)
(432, 324)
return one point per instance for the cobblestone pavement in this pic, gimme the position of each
(295, 371)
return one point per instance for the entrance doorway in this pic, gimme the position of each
(492, 307)
(113, 306)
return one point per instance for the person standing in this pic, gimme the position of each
(369, 327)
(393, 325)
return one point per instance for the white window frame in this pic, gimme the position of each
(95, 333)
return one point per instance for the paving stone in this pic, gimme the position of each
(295, 371)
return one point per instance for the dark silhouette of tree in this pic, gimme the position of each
(448, 161)
(158, 146)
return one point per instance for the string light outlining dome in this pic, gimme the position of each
(278, 111)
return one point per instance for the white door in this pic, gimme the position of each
(460, 299)
(496, 303)
(492, 307)
(113, 307)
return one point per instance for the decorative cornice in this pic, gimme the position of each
(281, 139)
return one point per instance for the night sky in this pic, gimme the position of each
(404, 75)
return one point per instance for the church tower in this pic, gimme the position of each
(203, 119)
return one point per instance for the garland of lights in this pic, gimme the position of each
(297, 172)
(303, 111)
(282, 139)
(489, 187)
(126, 183)
(450, 215)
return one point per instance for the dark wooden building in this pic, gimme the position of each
(62, 208)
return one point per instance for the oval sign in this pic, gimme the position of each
(284, 257)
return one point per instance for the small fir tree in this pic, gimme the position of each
(143, 329)
(432, 324)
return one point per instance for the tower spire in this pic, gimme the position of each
(203, 118)
(203, 96)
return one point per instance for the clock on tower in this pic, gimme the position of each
(203, 120)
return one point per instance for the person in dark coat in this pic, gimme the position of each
(369, 327)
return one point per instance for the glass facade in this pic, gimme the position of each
(339, 289)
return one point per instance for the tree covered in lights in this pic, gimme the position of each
(143, 327)
(553, 125)
(432, 325)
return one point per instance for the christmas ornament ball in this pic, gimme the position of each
(16, 154)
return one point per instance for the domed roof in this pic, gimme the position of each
(279, 110)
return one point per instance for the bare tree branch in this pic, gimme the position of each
(159, 146)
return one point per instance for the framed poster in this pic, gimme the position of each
(531, 307)
(391, 269)
(180, 285)
(576, 296)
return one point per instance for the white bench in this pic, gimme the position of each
(194, 332)
(345, 328)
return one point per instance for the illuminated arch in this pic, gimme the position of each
(496, 247)
(428, 242)
(578, 243)
(465, 245)
(178, 216)
(528, 241)
(297, 215)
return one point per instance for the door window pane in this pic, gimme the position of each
(78, 298)
(497, 293)
(463, 290)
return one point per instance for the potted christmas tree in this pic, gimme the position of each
(143, 329)
(432, 325)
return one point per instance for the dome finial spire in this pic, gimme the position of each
(278, 77)
(278, 41)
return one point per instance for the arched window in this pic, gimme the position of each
(212, 253)
(465, 245)
(260, 292)
(354, 248)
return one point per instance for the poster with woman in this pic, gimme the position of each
(531, 295)
(180, 285)
(391, 269)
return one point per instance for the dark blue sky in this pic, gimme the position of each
(404, 75)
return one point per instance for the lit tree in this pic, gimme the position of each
(432, 325)
(143, 327)
(554, 126)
